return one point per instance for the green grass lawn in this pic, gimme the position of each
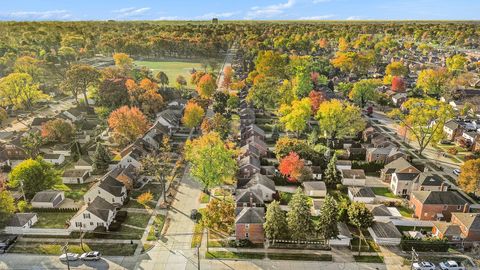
(368, 259)
(198, 231)
(272, 256)
(56, 249)
(53, 220)
(204, 198)
(154, 188)
(383, 191)
(175, 68)
(137, 219)
(405, 211)
(158, 222)
(76, 192)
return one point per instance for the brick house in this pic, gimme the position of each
(452, 129)
(249, 224)
(442, 229)
(403, 184)
(384, 154)
(437, 205)
(469, 224)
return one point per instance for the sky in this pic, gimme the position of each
(73, 10)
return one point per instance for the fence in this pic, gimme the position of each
(36, 231)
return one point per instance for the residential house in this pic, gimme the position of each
(83, 164)
(316, 189)
(361, 194)
(399, 98)
(469, 137)
(127, 175)
(48, 199)
(437, 205)
(170, 118)
(248, 166)
(154, 136)
(247, 116)
(75, 176)
(385, 234)
(55, 159)
(249, 224)
(98, 213)
(368, 133)
(353, 177)
(343, 238)
(452, 129)
(259, 144)
(249, 150)
(383, 213)
(75, 114)
(109, 189)
(448, 230)
(403, 184)
(21, 220)
(469, 224)
(12, 154)
(253, 131)
(384, 154)
(263, 183)
(378, 139)
(344, 165)
(249, 198)
(316, 207)
(399, 165)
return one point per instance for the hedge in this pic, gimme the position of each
(423, 245)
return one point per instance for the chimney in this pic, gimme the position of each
(466, 208)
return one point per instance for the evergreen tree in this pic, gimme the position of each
(7, 205)
(101, 159)
(299, 218)
(275, 225)
(332, 176)
(75, 151)
(327, 223)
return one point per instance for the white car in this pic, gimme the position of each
(456, 172)
(423, 266)
(91, 256)
(451, 265)
(69, 256)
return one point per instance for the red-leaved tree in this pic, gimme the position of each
(398, 85)
(316, 98)
(291, 166)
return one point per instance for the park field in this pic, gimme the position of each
(175, 68)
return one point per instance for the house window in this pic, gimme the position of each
(244, 204)
(247, 235)
(113, 199)
(247, 226)
(99, 192)
(459, 207)
(91, 223)
(445, 207)
(78, 224)
(99, 224)
(254, 205)
(86, 215)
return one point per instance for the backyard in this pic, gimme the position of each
(53, 220)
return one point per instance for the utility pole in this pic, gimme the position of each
(414, 257)
(23, 191)
(198, 256)
(65, 249)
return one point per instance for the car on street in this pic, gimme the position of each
(194, 214)
(451, 265)
(423, 266)
(6, 242)
(91, 256)
(68, 257)
(456, 172)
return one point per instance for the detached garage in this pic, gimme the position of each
(385, 234)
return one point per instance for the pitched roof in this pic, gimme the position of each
(429, 179)
(314, 185)
(249, 195)
(46, 196)
(249, 160)
(439, 197)
(74, 173)
(406, 176)
(100, 208)
(447, 229)
(452, 124)
(385, 230)
(343, 229)
(379, 210)
(261, 180)
(399, 164)
(20, 219)
(354, 173)
(251, 215)
(112, 186)
(469, 220)
(364, 192)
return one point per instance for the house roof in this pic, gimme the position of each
(46, 196)
(51, 156)
(255, 129)
(429, 179)
(314, 185)
(343, 230)
(385, 230)
(317, 203)
(399, 164)
(249, 195)
(354, 173)
(249, 160)
(100, 208)
(74, 173)
(364, 192)
(171, 116)
(406, 176)
(251, 215)
(469, 220)
(452, 124)
(439, 197)
(112, 186)
(20, 219)
(250, 148)
(447, 229)
(379, 210)
(38, 121)
(261, 180)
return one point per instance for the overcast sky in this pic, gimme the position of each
(21, 10)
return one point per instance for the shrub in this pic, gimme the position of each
(452, 150)
(121, 216)
(424, 245)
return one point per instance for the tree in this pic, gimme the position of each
(34, 175)
(113, 93)
(263, 93)
(101, 159)
(58, 130)
(424, 119)
(328, 219)
(456, 63)
(295, 117)
(303, 83)
(123, 61)
(220, 100)
(75, 150)
(192, 115)
(332, 176)
(286, 145)
(469, 178)
(275, 225)
(363, 91)
(291, 166)
(3, 115)
(353, 62)
(145, 198)
(339, 119)
(19, 90)
(7, 205)
(217, 123)
(317, 98)
(220, 214)
(299, 218)
(212, 161)
(206, 86)
(30, 66)
(128, 124)
(433, 81)
(396, 68)
(360, 217)
(162, 78)
(271, 64)
(79, 78)
(144, 95)
(227, 76)
(31, 143)
(398, 84)
(180, 82)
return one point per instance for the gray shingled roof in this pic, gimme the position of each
(379, 210)
(251, 215)
(244, 196)
(361, 192)
(314, 185)
(261, 180)
(357, 173)
(406, 176)
(100, 208)
(398, 164)
(469, 220)
(46, 196)
(439, 197)
(112, 186)
(20, 219)
(385, 230)
(430, 179)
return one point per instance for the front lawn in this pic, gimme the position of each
(56, 249)
(405, 211)
(155, 188)
(383, 191)
(198, 231)
(368, 259)
(137, 219)
(53, 220)
(76, 192)
(271, 256)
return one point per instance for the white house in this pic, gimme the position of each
(315, 189)
(353, 177)
(361, 194)
(48, 199)
(344, 236)
(385, 234)
(344, 165)
(55, 159)
(132, 158)
(98, 213)
(263, 183)
(110, 189)
(21, 220)
(82, 164)
(75, 176)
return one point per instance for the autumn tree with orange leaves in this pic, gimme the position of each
(317, 98)
(193, 115)
(294, 168)
(58, 130)
(144, 95)
(128, 124)
(206, 86)
(398, 84)
(227, 76)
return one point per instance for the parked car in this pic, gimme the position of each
(6, 242)
(194, 214)
(91, 256)
(451, 265)
(456, 172)
(423, 266)
(69, 256)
